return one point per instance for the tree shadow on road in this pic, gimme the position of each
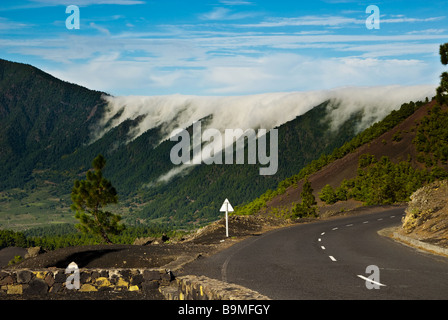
(84, 258)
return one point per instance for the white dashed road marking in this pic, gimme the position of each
(351, 225)
(371, 281)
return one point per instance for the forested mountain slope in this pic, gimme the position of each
(42, 119)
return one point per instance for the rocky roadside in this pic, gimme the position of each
(426, 219)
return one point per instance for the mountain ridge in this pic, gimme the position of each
(55, 147)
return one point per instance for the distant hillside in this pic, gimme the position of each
(394, 158)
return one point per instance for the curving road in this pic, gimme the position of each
(328, 260)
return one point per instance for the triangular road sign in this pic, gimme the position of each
(226, 206)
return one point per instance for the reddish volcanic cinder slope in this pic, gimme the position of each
(346, 167)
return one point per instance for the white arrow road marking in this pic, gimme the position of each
(371, 281)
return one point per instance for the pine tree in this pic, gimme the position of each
(328, 195)
(444, 53)
(307, 207)
(89, 197)
(308, 199)
(442, 90)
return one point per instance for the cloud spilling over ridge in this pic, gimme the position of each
(264, 111)
(375, 103)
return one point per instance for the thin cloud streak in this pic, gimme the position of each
(211, 52)
(326, 21)
(50, 3)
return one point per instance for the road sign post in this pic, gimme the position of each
(226, 207)
(227, 221)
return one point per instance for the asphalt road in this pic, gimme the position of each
(328, 260)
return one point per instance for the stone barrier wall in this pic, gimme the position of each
(202, 288)
(44, 282)
(25, 283)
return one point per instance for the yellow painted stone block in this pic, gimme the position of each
(14, 289)
(40, 274)
(134, 288)
(122, 283)
(87, 288)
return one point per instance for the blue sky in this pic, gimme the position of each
(227, 47)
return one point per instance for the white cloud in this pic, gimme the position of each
(331, 21)
(392, 49)
(207, 59)
(105, 73)
(254, 111)
(99, 28)
(87, 2)
(6, 24)
(305, 21)
(294, 72)
(428, 31)
(236, 2)
(412, 20)
(186, 67)
(220, 13)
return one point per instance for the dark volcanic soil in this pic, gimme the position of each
(109, 256)
(204, 242)
(7, 254)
